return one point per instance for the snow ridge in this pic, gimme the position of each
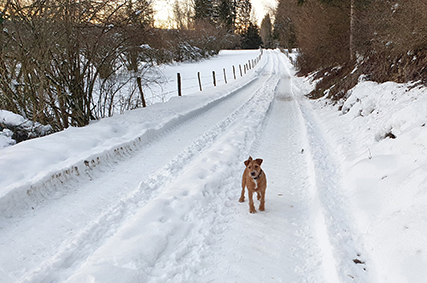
(334, 222)
(21, 196)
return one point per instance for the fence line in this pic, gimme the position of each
(249, 65)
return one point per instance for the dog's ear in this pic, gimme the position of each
(258, 161)
(248, 161)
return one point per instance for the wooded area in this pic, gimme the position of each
(344, 39)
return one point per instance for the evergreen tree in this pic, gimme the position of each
(251, 38)
(204, 11)
(243, 15)
(226, 15)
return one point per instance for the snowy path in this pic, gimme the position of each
(168, 212)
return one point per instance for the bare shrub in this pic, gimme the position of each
(321, 31)
(396, 40)
(53, 53)
(342, 40)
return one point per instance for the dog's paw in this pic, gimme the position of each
(252, 210)
(261, 208)
(241, 199)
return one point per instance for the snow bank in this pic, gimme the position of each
(381, 136)
(32, 169)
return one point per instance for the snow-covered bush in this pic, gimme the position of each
(15, 128)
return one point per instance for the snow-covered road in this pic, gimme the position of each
(162, 206)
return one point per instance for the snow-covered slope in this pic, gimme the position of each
(381, 136)
(152, 195)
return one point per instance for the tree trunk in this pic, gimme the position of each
(138, 80)
(352, 30)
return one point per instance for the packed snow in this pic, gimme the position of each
(152, 195)
(380, 135)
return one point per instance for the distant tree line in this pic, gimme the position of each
(232, 17)
(384, 40)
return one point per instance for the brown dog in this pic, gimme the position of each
(255, 180)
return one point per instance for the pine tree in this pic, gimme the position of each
(251, 38)
(204, 11)
(226, 15)
(243, 15)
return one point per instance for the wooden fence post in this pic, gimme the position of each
(225, 76)
(240, 67)
(214, 79)
(234, 72)
(200, 81)
(179, 84)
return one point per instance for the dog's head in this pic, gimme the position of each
(253, 166)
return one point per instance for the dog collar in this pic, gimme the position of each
(260, 173)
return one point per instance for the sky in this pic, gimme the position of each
(163, 10)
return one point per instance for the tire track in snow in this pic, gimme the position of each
(334, 222)
(76, 250)
(282, 243)
(292, 241)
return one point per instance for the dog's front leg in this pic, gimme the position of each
(251, 202)
(262, 202)
(242, 196)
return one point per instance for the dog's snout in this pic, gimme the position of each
(253, 173)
